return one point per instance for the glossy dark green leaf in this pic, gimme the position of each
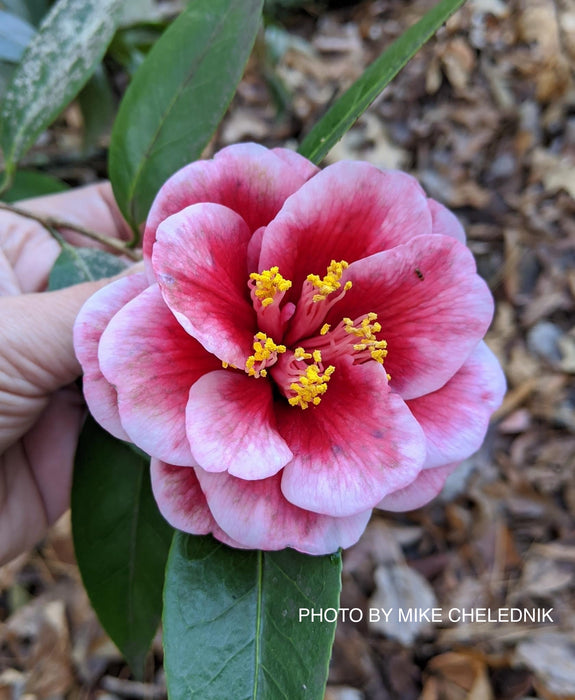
(353, 103)
(76, 265)
(231, 622)
(61, 57)
(178, 97)
(28, 183)
(98, 108)
(121, 540)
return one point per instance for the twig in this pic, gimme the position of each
(51, 222)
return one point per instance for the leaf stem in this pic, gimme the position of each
(52, 222)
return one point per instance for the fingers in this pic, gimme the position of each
(36, 347)
(28, 248)
(36, 354)
(35, 474)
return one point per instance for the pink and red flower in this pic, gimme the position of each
(305, 346)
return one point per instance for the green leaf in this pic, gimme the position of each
(98, 108)
(353, 103)
(178, 97)
(59, 60)
(76, 265)
(231, 622)
(29, 183)
(121, 540)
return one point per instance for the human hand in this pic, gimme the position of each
(41, 413)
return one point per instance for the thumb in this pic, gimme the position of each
(36, 337)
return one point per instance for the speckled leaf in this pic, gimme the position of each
(353, 103)
(231, 622)
(173, 107)
(76, 265)
(59, 60)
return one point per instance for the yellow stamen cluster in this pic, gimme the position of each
(301, 354)
(310, 387)
(264, 349)
(331, 281)
(325, 329)
(269, 283)
(366, 331)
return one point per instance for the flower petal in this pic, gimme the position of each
(455, 418)
(231, 426)
(248, 178)
(91, 322)
(432, 306)
(445, 222)
(359, 444)
(182, 502)
(256, 514)
(153, 362)
(200, 263)
(424, 489)
(346, 212)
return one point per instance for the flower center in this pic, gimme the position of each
(302, 383)
(268, 286)
(265, 353)
(300, 373)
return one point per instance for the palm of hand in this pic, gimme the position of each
(41, 412)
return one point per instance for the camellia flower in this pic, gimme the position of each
(305, 346)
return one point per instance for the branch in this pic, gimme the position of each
(52, 222)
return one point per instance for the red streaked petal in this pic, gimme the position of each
(445, 223)
(256, 514)
(432, 306)
(231, 426)
(455, 418)
(359, 444)
(91, 322)
(200, 260)
(153, 362)
(346, 212)
(421, 491)
(182, 502)
(248, 178)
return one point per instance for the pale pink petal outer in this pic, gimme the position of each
(248, 178)
(231, 426)
(346, 212)
(91, 322)
(200, 261)
(153, 362)
(256, 514)
(182, 502)
(359, 444)
(432, 306)
(455, 418)
(421, 491)
(445, 223)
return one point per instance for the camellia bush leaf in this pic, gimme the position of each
(231, 621)
(28, 183)
(121, 540)
(353, 103)
(178, 97)
(58, 62)
(76, 265)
